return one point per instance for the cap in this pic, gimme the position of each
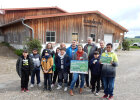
(35, 49)
(96, 52)
(25, 51)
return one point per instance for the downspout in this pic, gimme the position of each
(28, 27)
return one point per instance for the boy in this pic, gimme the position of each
(24, 66)
(62, 62)
(36, 70)
(109, 72)
(95, 67)
(47, 65)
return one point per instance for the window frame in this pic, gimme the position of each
(50, 37)
(75, 33)
(94, 37)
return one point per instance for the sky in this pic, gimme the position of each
(124, 12)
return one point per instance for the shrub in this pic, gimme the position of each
(19, 52)
(34, 43)
(126, 45)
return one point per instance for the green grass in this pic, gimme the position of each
(133, 40)
(135, 47)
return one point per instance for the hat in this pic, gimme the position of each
(48, 51)
(35, 49)
(25, 51)
(63, 49)
(96, 52)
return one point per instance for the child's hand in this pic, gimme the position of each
(93, 62)
(100, 62)
(45, 71)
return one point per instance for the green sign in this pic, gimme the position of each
(79, 66)
(106, 60)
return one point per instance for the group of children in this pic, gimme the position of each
(53, 65)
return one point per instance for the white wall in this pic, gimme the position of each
(115, 46)
(1, 38)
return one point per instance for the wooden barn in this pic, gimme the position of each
(52, 24)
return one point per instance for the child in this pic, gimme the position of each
(47, 65)
(109, 72)
(36, 70)
(95, 67)
(24, 66)
(55, 68)
(62, 62)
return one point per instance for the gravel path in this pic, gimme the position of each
(127, 85)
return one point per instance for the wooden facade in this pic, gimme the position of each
(10, 15)
(63, 24)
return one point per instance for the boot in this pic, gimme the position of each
(81, 90)
(71, 93)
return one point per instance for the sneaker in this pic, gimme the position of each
(92, 90)
(22, 90)
(81, 90)
(39, 85)
(26, 90)
(50, 89)
(59, 87)
(44, 89)
(90, 86)
(65, 89)
(96, 94)
(110, 98)
(105, 96)
(71, 93)
(32, 85)
(52, 85)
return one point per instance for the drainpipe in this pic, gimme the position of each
(28, 27)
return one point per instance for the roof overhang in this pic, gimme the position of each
(10, 23)
(35, 8)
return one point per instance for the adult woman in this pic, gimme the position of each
(79, 55)
(62, 45)
(48, 47)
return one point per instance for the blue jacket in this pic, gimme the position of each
(95, 68)
(69, 51)
(66, 63)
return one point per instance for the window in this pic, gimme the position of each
(75, 36)
(15, 36)
(92, 36)
(50, 36)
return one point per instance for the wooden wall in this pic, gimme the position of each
(17, 14)
(16, 34)
(66, 25)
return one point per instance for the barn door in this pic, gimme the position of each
(108, 38)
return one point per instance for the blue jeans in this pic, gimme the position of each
(75, 77)
(36, 72)
(108, 85)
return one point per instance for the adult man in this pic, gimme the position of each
(89, 48)
(70, 52)
(102, 50)
(102, 47)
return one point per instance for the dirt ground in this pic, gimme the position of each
(127, 83)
